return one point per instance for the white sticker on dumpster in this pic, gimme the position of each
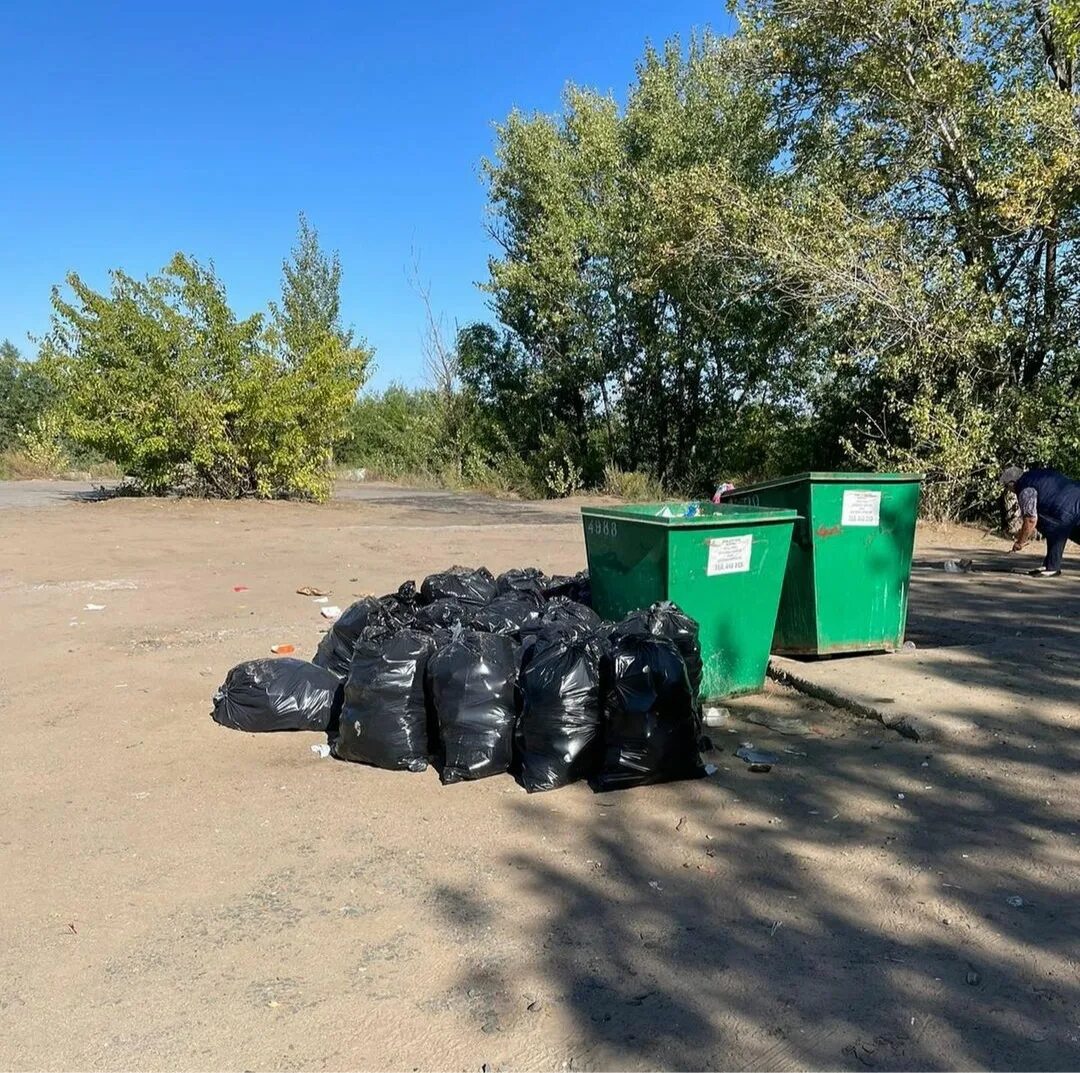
(861, 508)
(729, 555)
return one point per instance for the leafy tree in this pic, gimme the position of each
(25, 395)
(161, 378)
(847, 235)
(937, 148)
(310, 297)
(645, 355)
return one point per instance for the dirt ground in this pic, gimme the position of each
(179, 896)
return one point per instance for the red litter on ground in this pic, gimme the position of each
(239, 588)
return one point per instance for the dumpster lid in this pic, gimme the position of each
(709, 515)
(824, 477)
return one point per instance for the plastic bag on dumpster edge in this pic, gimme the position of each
(473, 682)
(560, 734)
(459, 583)
(336, 648)
(650, 722)
(277, 694)
(665, 619)
(385, 714)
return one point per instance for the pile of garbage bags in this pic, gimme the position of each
(479, 675)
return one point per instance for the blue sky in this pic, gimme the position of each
(130, 131)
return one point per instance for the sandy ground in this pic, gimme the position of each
(178, 896)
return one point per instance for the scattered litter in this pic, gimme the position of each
(716, 717)
(535, 1006)
(776, 924)
(73, 929)
(795, 752)
(1016, 901)
(758, 759)
(925, 763)
(655, 886)
(322, 751)
(711, 769)
(320, 599)
(909, 646)
(331, 612)
(239, 588)
(679, 825)
(283, 650)
(94, 607)
(900, 796)
(310, 590)
(958, 566)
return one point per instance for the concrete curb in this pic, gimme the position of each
(786, 673)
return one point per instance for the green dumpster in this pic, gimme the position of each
(724, 567)
(846, 586)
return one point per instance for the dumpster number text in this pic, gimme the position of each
(603, 527)
(861, 508)
(729, 555)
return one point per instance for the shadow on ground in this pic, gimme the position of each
(717, 924)
(919, 961)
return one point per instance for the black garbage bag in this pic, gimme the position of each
(528, 579)
(401, 604)
(576, 588)
(560, 732)
(384, 720)
(564, 609)
(560, 618)
(473, 684)
(665, 619)
(277, 694)
(507, 615)
(650, 722)
(336, 648)
(459, 583)
(442, 615)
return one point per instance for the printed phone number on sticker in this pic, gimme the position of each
(729, 555)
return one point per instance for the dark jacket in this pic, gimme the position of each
(1058, 497)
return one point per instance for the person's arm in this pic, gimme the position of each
(1024, 535)
(1028, 500)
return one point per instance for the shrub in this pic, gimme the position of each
(631, 485)
(162, 379)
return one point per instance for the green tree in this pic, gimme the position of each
(645, 354)
(310, 306)
(25, 395)
(934, 147)
(847, 235)
(161, 378)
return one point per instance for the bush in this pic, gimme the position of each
(633, 485)
(396, 433)
(25, 394)
(162, 379)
